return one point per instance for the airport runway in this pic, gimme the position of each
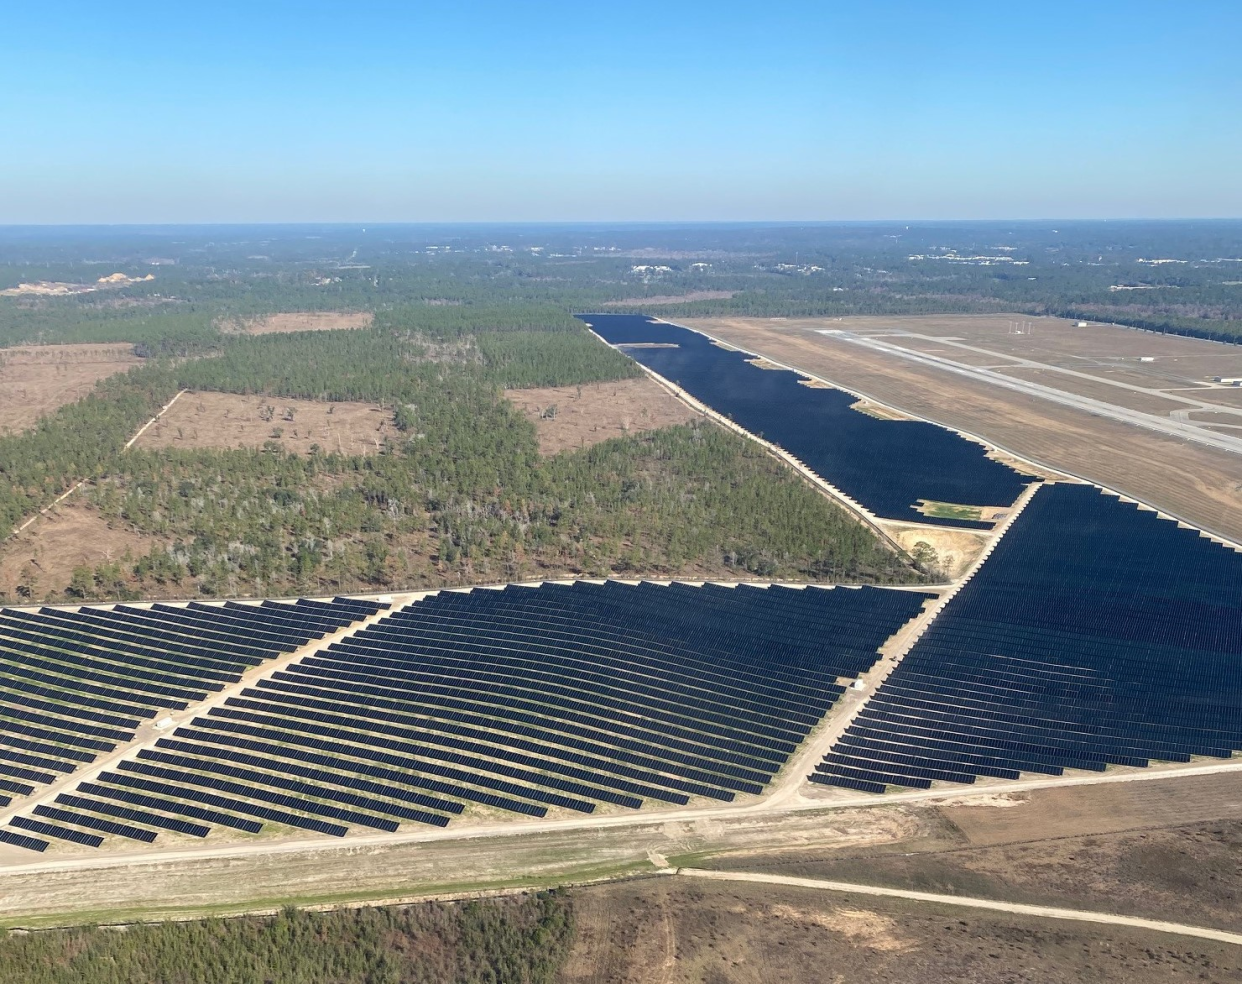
(1164, 425)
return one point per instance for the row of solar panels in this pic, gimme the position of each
(755, 618)
(461, 659)
(1097, 634)
(745, 610)
(521, 700)
(75, 684)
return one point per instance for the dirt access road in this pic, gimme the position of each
(1044, 912)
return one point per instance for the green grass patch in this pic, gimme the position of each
(950, 510)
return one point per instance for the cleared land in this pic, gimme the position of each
(228, 420)
(569, 417)
(667, 930)
(1164, 849)
(36, 379)
(176, 884)
(1199, 484)
(42, 557)
(307, 321)
(955, 549)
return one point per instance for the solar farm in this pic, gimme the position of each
(1090, 639)
(560, 699)
(1096, 634)
(884, 466)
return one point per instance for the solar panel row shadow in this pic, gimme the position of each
(1096, 634)
(885, 465)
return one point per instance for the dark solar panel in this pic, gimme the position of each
(95, 823)
(21, 840)
(1096, 634)
(134, 815)
(75, 683)
(886, 465)
(55, 830)
(564, 696)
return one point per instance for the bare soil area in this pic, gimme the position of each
(1200, 484)
(36, 379)
(1168, 849)
(307, 321)
(42, 557)
(175, 883)
(955, 550)
(1225, 397)
(663, 930)
(569, 417)
(229, 420)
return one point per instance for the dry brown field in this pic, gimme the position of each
(588, 414)
(1221, 418)
(665, 931)
(36, 379)
(1151, 403)
(229, 420)
(70, 535)
(307, 321)
(1201, 485)
(1163, 849)
(1054, 341)
(1226, 397)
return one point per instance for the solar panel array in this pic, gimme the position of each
(517, 700)
(885, 465)
(1096, 634)
(75, 684)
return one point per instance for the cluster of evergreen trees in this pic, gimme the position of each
(691, 498)
(458, 492)
(521, 940)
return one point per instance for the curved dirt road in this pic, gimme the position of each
(1042, 911)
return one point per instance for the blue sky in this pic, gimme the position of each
(274, 111)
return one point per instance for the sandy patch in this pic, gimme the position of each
(36, 379)
(955, 549)
(1002, 801)
(307, 321)
(569, 417)
(877, 410)
(42, 557)
(229, 420)
(869, 929)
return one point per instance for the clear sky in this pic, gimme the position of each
(527, 110)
